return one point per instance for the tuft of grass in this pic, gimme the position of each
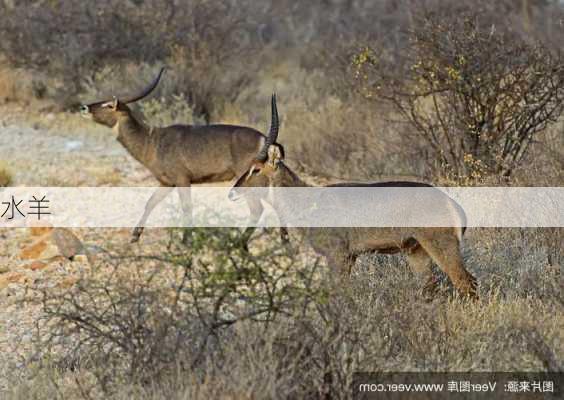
(6, 177)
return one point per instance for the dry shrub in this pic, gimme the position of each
(219, 322)
(340, 140)
(73, 41)
(478, 96)
(138, 319)
(545, 163)
(216, 42)
(21, 84)
(8, 88)
(326, 130)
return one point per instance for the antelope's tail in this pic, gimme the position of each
(462, 219)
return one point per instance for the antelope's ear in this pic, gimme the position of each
(274, 155)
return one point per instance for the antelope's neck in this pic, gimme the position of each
(285, 202)
(134, 136)
(289, 178)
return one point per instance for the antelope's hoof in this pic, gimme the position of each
(284, 236)
(473, 295)
(135, 235)
(472, 292)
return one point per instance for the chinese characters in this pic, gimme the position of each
(13, 208)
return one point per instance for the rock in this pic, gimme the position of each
(36, 265)
(67, 242)
(42, 248)
(11, 277)
(39, 230)
(82, 258)
(93, 249)
(56, 242)
(68, 282)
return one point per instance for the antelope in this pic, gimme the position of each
(180, 155)
(341, 246)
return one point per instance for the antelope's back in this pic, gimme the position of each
(210, 152)
(436, 202)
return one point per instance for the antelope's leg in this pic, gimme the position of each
(256, 210)
(284, 235)
(157, 196)
(420, 263)
(445, 251)
(186, 203)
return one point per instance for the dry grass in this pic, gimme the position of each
(14, 85)
(377, 322)
(5, 175)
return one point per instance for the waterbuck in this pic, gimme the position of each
(341, 246)
(181, 155)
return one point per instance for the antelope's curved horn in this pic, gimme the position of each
(272, 134)
(145, 92)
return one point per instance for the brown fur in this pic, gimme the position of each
(341, 246)
(180, 155)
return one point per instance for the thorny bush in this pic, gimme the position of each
(477, 95)
(212, 320)
(138, 316)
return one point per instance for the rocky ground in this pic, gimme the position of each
(36, 151)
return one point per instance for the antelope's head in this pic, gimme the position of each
(108, 112)
(264, 169)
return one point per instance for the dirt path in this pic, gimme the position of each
(54, 150)
(37, 151)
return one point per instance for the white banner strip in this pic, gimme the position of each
(107, 207)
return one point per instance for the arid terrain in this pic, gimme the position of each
(517, 324)
(365, 90)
